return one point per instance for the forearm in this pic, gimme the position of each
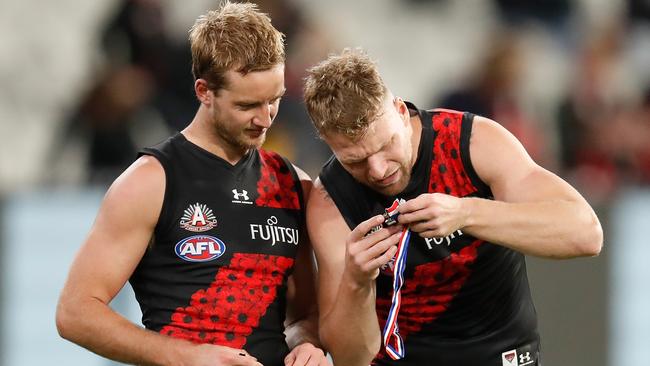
(350, 330)
(303, 331)
(553, 229)
(101, 330)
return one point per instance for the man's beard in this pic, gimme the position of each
(241, 141)
(238, 139)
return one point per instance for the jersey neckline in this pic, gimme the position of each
(207, 155)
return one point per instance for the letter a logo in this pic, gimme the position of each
(198, 218)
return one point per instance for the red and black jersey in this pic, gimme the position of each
(465, 301)
(225, 243)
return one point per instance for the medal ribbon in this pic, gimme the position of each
(393, 342)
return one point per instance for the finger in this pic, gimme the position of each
(371, 240)
(433, 234)
(363, 228)
(415, 216)
(414, 204)
(243, 358)
(249, 361)
(314, 360)
(422, 226)
(318, 358)
(382, 246)
(383, 259)
(290, 359)
(324, 362)
(302, 358)
(242, 352)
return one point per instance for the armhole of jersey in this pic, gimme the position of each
(337, 198)
(426, 118)
(299, 191)
(162, 226)
(465, 134)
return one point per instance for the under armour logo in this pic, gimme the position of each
(524, 358)
(238, 196)
(241, 197)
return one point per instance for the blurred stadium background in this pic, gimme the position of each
(84, 84)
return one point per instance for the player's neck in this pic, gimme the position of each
(201, 133)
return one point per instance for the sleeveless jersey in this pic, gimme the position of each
(464, 301)
(225, 243)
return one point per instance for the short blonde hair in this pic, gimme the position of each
(344, 94)
(237, 36)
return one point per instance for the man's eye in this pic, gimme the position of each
(355, 163)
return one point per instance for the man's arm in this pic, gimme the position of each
(534, 211)
(348, 264)
(302, 314)
(109, 255)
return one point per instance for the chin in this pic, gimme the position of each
(391, 190)
(248, 143)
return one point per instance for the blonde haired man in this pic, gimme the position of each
(446, 285)
(207, 227)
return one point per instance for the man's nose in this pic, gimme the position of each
(265, 116)
(377, 167)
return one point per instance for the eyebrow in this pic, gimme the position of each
(245, 103)
(354, 159)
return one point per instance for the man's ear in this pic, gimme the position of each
(203, 93)
(402, 109)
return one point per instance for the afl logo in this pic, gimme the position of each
(200, 248)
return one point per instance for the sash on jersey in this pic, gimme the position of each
(393, 342)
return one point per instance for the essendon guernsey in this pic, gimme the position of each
(464, 301)
(226, 240)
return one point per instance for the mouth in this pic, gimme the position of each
(389, 180)
(254, 132)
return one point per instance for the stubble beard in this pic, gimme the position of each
(237, 140)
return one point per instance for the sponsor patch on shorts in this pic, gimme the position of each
(525, 355)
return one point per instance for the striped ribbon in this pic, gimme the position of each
(393, 342)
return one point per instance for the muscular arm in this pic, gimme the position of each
(349, 328)
(109, 255)
(534, 211)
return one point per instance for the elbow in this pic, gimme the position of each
(62, 322)
(65, 321)
(595, 244)
(590, 241)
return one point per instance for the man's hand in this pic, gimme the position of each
(213, 355)
(365, 254)
(433, 214)
(306, 354)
